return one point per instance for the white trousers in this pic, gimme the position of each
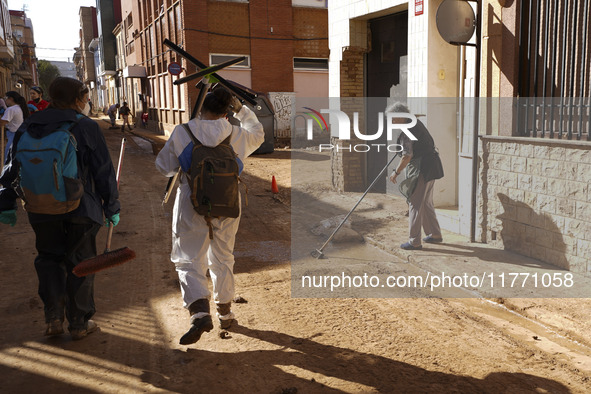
(193, 252)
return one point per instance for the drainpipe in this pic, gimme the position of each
(476, 125)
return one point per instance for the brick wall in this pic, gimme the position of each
(195, 16)
(272, 59)
(310, 23)
(535, 199)
(232, 19)
(348, 168)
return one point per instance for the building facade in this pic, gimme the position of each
(522, 87)
(7, 55)
(108, 13)
(25, 66)
(84, 58)
(285, 44)
(390, 50)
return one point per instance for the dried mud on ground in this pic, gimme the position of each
(280, 344)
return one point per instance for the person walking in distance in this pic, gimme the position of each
(423, 166)
(112, 112)
(65, 231)
(199, 243)
(124, 111)
(13, 117)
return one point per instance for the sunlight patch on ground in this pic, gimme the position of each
(71, 367)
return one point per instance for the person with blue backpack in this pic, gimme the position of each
(59, 165)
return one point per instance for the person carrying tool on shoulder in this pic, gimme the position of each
(200, 242)
(65, 200)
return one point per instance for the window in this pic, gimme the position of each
(305, 63)
(310, 3)
(215, 58)
(128, 25)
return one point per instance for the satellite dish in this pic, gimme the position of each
(455, 21)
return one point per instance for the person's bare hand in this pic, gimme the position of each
(393, 178)
(236, 105)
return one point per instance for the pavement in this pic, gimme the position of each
(156, 140)
(453, 268)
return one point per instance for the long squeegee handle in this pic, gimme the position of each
(358, 202)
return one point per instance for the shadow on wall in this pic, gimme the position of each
(153, 120)
(530, 233)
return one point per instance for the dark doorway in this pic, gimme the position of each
(386, 77)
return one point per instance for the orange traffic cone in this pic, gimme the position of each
(274, 187)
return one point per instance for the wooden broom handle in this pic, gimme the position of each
(110, 233)
(109, 236)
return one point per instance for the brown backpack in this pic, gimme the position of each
(214, 181)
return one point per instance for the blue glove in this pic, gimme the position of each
(113, 219)
(8, 217)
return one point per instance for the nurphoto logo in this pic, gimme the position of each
(340, 125)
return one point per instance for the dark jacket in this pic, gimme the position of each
(100, 187)
(425, 150)
(124, 110)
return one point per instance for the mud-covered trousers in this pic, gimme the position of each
(61, 245)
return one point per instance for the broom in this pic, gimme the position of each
(109, 258)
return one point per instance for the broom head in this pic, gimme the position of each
(104, 261)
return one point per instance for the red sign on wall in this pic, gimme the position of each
(175, 68)
(418, 7)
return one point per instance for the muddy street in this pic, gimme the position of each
(281, 344)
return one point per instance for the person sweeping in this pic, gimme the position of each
(202, 237)
(59, 165)
(423, 166)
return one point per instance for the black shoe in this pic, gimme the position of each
(198, 327)
(81, 333)
(54, 328)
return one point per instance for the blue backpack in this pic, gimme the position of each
(48, 180)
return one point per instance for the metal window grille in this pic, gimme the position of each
(554, 69)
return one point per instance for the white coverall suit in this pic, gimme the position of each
(192, 250)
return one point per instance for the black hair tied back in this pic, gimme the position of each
(218, 101)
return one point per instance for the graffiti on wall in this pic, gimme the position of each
(283, 104)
